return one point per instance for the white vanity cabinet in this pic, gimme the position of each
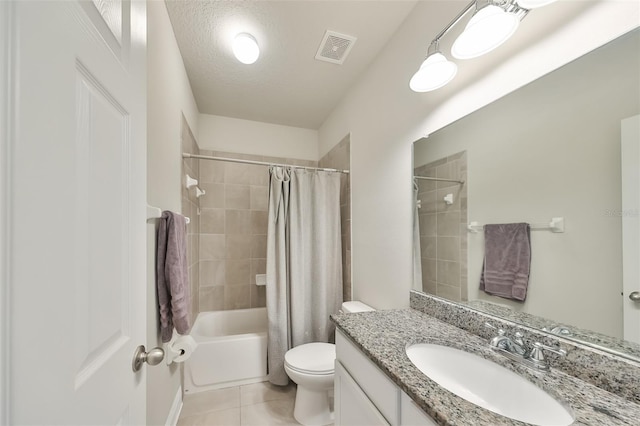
(364, 395)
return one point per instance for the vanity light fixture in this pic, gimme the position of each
(245, 48)
(435, 71)
(487, 29)
(492, 23)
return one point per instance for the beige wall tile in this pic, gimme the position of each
(429, 269)
(449, 248)
(211, 298)
(428, 247)
(258, 175)
(258, 296)
(449, 273)
(211, 273)
(237, 272)
(258, 266)
(237, 222)
(212, 247)
(259, 197)
(448, 224)
(428, 224)
(214, 196)
(212, 171)
(237, 196)
(239, 246)
(448, 292)
(212, 221)
(258, 246)
(237, 297)
(237, 174)
(259, 222)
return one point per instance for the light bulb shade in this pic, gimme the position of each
(245, 48)
(533, 4)
(487, 29)
(435, 72)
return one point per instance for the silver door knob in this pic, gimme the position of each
(140, 356)
(635, 296)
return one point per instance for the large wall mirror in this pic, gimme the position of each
(550, 149)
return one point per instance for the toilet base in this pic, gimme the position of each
(312, 407)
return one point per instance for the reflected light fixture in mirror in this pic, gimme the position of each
(493, 22)
(245, 48)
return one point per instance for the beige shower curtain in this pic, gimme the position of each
(304, 261)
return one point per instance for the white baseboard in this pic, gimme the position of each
(176, 407)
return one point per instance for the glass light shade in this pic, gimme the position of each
(533, 4)
(435, 72)
(487, 29)
(246, 49)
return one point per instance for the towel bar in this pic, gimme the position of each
(156, 213)
(556, 225)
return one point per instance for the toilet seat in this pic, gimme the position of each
(312, 358)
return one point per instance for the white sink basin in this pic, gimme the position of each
(488, 385)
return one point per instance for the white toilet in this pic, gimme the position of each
(311, 367)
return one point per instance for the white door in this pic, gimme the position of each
(77, 211)
(631, 227)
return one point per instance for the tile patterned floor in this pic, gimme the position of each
(249, 405)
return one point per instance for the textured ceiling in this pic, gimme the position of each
(287, 85)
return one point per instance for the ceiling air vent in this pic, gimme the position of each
(335, 47)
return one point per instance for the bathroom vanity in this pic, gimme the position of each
(365, 395)
(377, 384)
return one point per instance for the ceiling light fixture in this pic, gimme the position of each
(492, 23)
(245, 48)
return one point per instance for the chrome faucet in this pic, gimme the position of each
(516, 350)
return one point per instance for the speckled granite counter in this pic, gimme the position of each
(384, 335)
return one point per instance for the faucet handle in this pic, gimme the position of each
(493, 327)
(537, 355)
(518, 338)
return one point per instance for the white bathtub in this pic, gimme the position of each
(232, 350)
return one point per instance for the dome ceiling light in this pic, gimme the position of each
(245, 48)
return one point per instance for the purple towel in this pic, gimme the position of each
(172, 276)
(507, 260)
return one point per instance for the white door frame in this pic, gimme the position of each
(6, 84)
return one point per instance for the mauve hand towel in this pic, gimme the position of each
(172, 276)
(507, 260)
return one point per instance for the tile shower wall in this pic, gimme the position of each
(233, 230)
(190, 208)
(340, 158)
(443, 233)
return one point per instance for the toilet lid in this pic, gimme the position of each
(312, 358)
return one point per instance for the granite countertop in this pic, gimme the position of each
(384, 335)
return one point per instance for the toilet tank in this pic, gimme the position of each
(355, 306)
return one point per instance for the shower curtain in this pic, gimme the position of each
(417, 252)
(304, 261)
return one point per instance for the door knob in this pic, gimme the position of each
(140, 356)
(635, 296)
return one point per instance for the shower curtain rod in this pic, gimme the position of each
(461, 182)
(259, 163)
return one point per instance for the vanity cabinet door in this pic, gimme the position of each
(412, 415)
(352, 407)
